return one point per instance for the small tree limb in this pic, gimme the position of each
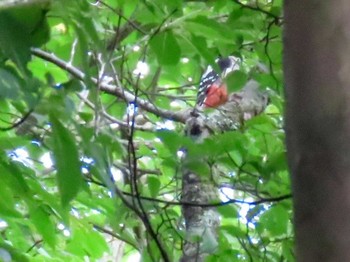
(112, 89)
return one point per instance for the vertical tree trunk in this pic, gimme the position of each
(203, 222)
(317, 78)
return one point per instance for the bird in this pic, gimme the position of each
(212, 91)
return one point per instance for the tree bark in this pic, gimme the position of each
(317, 81)
(202, 222)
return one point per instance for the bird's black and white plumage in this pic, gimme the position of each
(212, 90)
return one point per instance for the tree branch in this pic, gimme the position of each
(112, 89)
(216, 204)
(257, 9)
(19, 122)
(113, 119)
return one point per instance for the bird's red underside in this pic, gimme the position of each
(216, 96)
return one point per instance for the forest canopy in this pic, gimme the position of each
(94, 102)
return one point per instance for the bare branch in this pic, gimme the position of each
(112, 89)
(113, 119)
(113, 234)
(257, 9)
(18, 123)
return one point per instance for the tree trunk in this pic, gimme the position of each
(202, 222)
(317, 80)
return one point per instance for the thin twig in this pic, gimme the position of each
(113, 119)
(111, 233)
(257, 9)
(111, 89)
(19, 122)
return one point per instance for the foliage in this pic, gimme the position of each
(71, 208)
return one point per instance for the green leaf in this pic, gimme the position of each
(275, 51)
(288, 250)
(275, 221)
(96, 244)
(277, 162)
(166, 48)
(200, 44)
(198, 167)
(234, 231)
(14, 41)
(87, 242)
(33, 20)
(9, 143)
(210, 29)
(15, 254)
(67, 161)
(43, 224)
(21, 28)
(228, 211)
(7, 205)
(153, 185)
(172, 140)
(100, 167)
(9, 85)
(14, 175)
(73, 85)
(232, 141)
(236, 80)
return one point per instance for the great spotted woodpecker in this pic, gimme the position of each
(212, 90)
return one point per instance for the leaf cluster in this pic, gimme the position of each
(74, 157)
